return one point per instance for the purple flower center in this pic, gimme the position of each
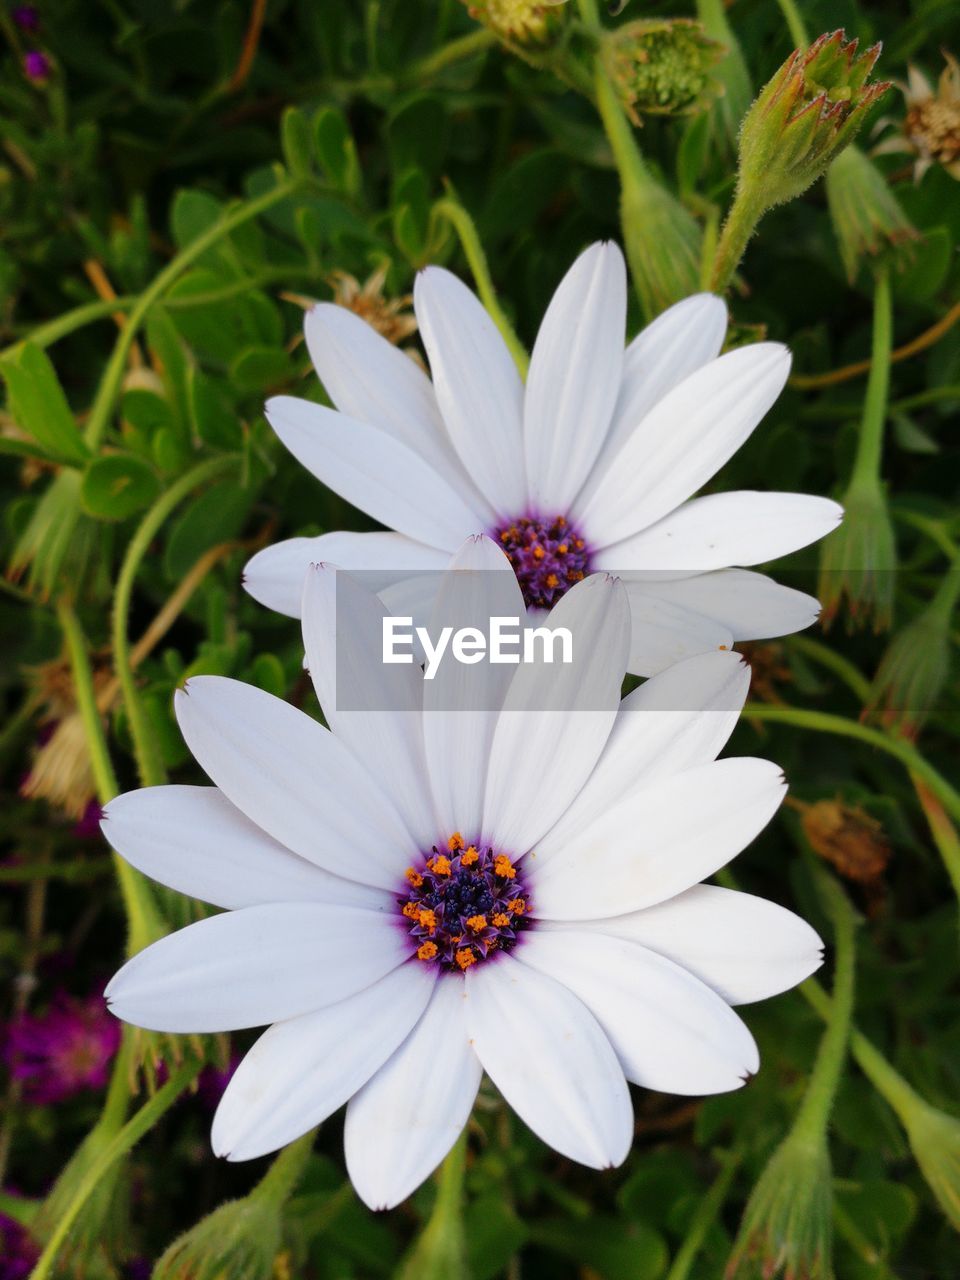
(548, 555)
(464, 905)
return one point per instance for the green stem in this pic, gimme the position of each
(113, 374)
(740, 225)
(866, 468)
(280, 1180)
(129, 1135)
(451, 209)
(791, 14)
(887, 1081)
(841, 666)
(814, 1113)
(149, 764)
(899, 748)
(440, 1252)
(45, 335)
(143, 921)
(456, 51)
(707, 1213)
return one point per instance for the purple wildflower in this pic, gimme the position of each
(37, 67)
(27, 17)
(18, 1253)
(64, 1050)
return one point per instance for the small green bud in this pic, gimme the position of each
(858, 560)
(662, 243)
(240, 1238)
(935, 1141)
(804, 117)
(525, 23)
(662, 66)
(867, 217)
(916, 666)
(786, 1227)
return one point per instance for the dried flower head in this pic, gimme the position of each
(848, 838)
(805, 115)
(62, 773)
(522, 22)
(663, 66)
(390, 317)
(931, 128)
(768, 668)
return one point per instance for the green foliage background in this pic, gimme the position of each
(148, 153)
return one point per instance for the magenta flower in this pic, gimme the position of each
(18, 1253)
(37, 67)
(63, 1051)
(27, 17)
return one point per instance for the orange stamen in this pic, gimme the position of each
(476, 923)
(426, 951)
(465, 958)
(415, 878)
(504, 867)
(469, 857)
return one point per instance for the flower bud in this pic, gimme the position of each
(786, 1227)
(240, 1238)
(867, 218)
(662, 243)
(805, 116)
(916, 665)
(526, 23)
(662, 66)
(848, 838)
(857, 561)
(934, 1138)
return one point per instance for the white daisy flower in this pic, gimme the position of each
(591, 466)
(419, 895)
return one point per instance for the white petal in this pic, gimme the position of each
(274, 576)
(477, 386)
(751, 605)
(556, 718)
(683, 441)
(194, 840)
(678, 342)
(294, 779)
(379, 475)
(405, 1120)
(299, 1072)
(745, 948)
(262, 964)
(663, 632)
(669, 1030)
(552, 1062)
(369, 379)
(371, 705)
(722, 529)
(574, 377)
(656, 842)
(673, 722)
(461, 703)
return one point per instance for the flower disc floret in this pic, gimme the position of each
(464, 904)
(548, 555)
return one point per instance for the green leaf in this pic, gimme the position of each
(494, 1234)
(211, 417)
(926, 267)
(266, 672)
(613, 1249)
(336, 149)
(295, 140)
(216, 516)
(37, 402)
(193, 213)
(882, 1211)
(118, 485)
(146, 412)
(261, 369)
